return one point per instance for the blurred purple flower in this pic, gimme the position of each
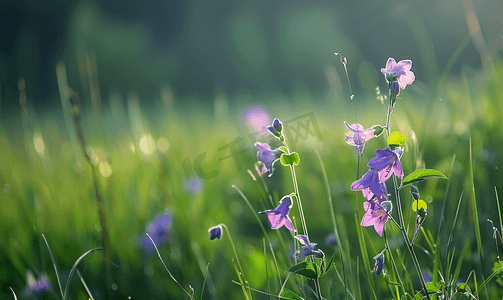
(279, 216)
(375, 214)
(193, 184)
(267, 156)
(358, 136)
(370, 185)
(307, 248)
(426, 277)
(379, 258)
(330, 240)
(158, 231)
(215, 232)
(399, 72)
(276, 128)
(257, 117)
(36, 286)
(387, 162)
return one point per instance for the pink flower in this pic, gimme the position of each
(399, 72)
(359, 136)
(375, 214)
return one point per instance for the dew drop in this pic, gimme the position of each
(352, 96)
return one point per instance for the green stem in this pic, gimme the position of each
(245, 283)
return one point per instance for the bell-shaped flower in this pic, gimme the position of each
(267, 156)
(359, 136)
(379, 263)
(307, 248)
(399, 72)
(387, 162)
(370, 185)
(36, 287)
(279, 216)
(158, 231)
(215, 232)
(376, 213)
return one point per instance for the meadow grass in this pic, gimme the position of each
(454, 127)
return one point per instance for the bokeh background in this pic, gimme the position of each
(168, 89)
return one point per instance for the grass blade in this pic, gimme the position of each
(55, 268)
(74, 268)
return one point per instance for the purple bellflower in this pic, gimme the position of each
(276, 128)
(358, 136)
(36, 287)
(379, 258)
(387, 162)
(279, 216)
(267, 156)
(399, 72)
(215, 232)
(158, 231)
(307, 248)
(370, 184)
(376, 214)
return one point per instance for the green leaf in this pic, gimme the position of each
(286, 293)
(422, 174)
(290, 160)
(306, 269)
(463, 287)
(396, 139)
(283, 149)
(327, 267)
(433, 287)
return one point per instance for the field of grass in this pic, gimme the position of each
(175, 158)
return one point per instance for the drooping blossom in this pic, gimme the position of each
(379, 263)
(158, 231)
(279, 216)
(369, 184)
(36, 287)
(215, 232)
(387, 162)
(267, 156)
(358, 136)
(399, 72)
(307, 248)
(376, 214)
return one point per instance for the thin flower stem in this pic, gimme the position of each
(399, 208)
(245, 284)
(393, 262)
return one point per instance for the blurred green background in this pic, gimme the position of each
(167, 88)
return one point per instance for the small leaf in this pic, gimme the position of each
(422, 174)
(286, 293)
(329, 265)
(433, 287)
(414, 192)
(306, 269)
(463, 287)
(293, 159)
(283, 149)
(422, 205)
(396, 139)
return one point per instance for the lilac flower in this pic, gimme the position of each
(426, 277)
(307, 248)
(158, 231)
(370, 184)
(257, 117)
(279, 216)
(193, 184)
(379, 258)
(387, 162)
(36, 286)
(215, 232)
(399, 72)
(330, 240)
(267, 156)
(376, 214)
(276, 128)
(359, 136)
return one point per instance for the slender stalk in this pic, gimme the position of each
(399, 206)
(245, 284)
